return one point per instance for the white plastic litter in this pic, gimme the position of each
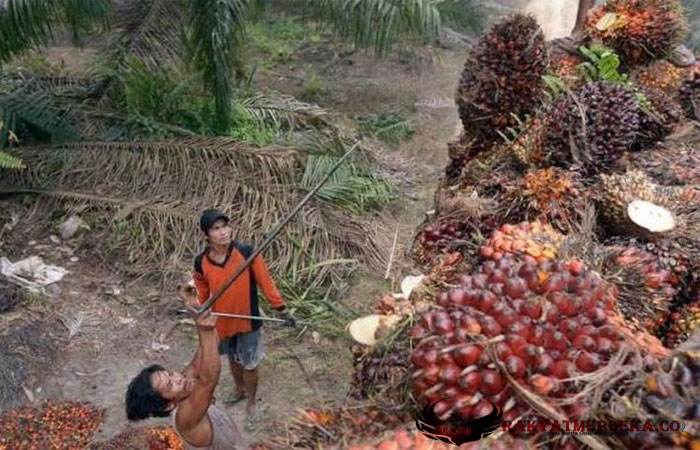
(31, 273)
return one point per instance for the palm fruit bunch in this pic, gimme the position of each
(502, 77)
(436, 238)
(659, 115)
(460, 151)
(323, 428)
(375, 371)
(527, 146)
(672, 390)
(552, 195)
(542, 323)
(404, 440)
(646, 288)
(676, 257)
(641, 31)
(164, 438)
(630, 204)
(565, 66)
(531, 241)
(661, 75)
(677, 165)
(682, 324)
(594, 129)
(689, 96)
(684, 321)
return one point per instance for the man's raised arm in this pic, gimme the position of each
(194, 407)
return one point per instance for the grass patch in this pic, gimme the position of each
(314, 90)
(391, 127)
(274, 41)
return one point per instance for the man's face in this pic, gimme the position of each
(220, 233)
(172, 386)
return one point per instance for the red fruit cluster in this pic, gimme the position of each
(532, 241)
(66, 425)
(545, 322)
(436, 238)
(645, 30)
(164, 438)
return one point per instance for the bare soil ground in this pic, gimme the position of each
(122, 323)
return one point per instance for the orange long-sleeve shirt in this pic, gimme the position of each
(242, 296)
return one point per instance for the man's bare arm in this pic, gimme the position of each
(189, 297)
(193, 408)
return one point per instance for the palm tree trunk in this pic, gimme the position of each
(583, 7)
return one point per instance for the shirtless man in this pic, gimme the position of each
(187, 396)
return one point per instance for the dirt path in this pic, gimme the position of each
(123, 324)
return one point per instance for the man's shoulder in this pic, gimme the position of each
(243, 247)
(198, 261)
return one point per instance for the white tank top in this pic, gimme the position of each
(226, 433)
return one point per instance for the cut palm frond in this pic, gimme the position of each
(283, 111)
(377, 24)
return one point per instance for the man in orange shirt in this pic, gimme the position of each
(240, 339)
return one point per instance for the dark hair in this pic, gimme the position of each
(142, 401)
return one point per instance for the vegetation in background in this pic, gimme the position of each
(465, 16)
(275, 40)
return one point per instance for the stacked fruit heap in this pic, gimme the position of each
(321, 428)
(155, 438)
(66, 425)
(579, 234)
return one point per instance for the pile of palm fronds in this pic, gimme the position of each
(149, 195)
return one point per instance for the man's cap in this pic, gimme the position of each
(208, 217)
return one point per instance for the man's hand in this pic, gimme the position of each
(206, 321)
(188, 294)
(290, 321)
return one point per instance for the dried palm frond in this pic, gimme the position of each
(154, 192)
(284, 112)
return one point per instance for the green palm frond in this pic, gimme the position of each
(377, 24)
(152, 31)
(8, 161)
(38, 110)
(351, 187)
(215, 32)
(24, 24)
(79, 16)
(29, 24)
